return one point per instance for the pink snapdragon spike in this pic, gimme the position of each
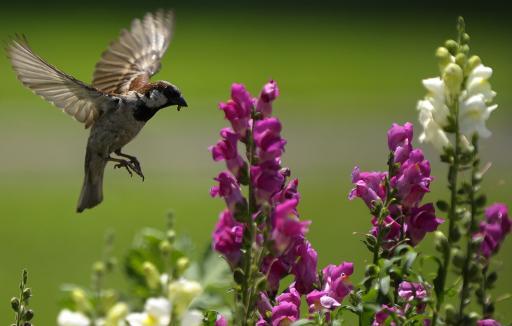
(400, 141)
(226, 149)
(420, 221)
(409, 182)
(494, 229)
(410, 291)
(369, 186)
(268, 94)
(488, 322)
(227, 237)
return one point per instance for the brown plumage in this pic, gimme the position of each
(118, 103)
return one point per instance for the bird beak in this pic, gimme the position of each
(181, 103)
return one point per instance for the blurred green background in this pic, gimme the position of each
(346, 72)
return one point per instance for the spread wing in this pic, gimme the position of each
(136, 55)
(77, 99)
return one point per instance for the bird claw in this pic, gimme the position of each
(130, 166)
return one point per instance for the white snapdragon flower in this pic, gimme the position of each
(474, 98)
(70, 318)
(182, 292)
(473, 103)
(157, 312)
(433, 114)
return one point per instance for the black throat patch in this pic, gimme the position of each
(143, 113)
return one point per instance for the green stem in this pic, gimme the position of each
(469, 252)
(247, 284)
(485, 313)
(452, 213)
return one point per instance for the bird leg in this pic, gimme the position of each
(135, 162)
(128, 165)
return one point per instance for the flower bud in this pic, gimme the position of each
(458, 259)
(474, 61)
(460, 59)
(15, 304)
(443, 56)
(372, 270)
(452, 77)
(80, 299)
(98, 268)
(171, 235)
(152, 275)
(116, 314)
(466, 38)
(182, 264)
(165, 247)
(452, 46)
(451, 316)
(441, 242)
(28, 315)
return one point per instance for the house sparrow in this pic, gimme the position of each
(118, 103)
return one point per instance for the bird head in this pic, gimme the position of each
(171, 94)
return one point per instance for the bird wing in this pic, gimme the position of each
(130, 61)
(82, 102)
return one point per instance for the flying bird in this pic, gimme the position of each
(118, 103)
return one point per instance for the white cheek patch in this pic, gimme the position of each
(156, 99)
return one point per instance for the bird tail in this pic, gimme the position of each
(92, 189)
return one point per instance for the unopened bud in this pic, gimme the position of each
(452, 46)
(464, 49)
(15, 304)
(98, 268)
(171, 235)
(466, 38)
(441, 242)
(474, 62)
(473, 317)
(460, 59)
(450, 313)
(28, 315)
(443, 56)
(458, 259)
(80, 299)
(117, 313)
(182, 264)
(165, 247)
(152, 275)
(452, 77)
(372, 270)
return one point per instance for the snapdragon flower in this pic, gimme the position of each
(67, 317)
(463, 83)
(157, 312)
(494, 229)
(228, 236)
(410, 291)
(369, 186)
(226, 149)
